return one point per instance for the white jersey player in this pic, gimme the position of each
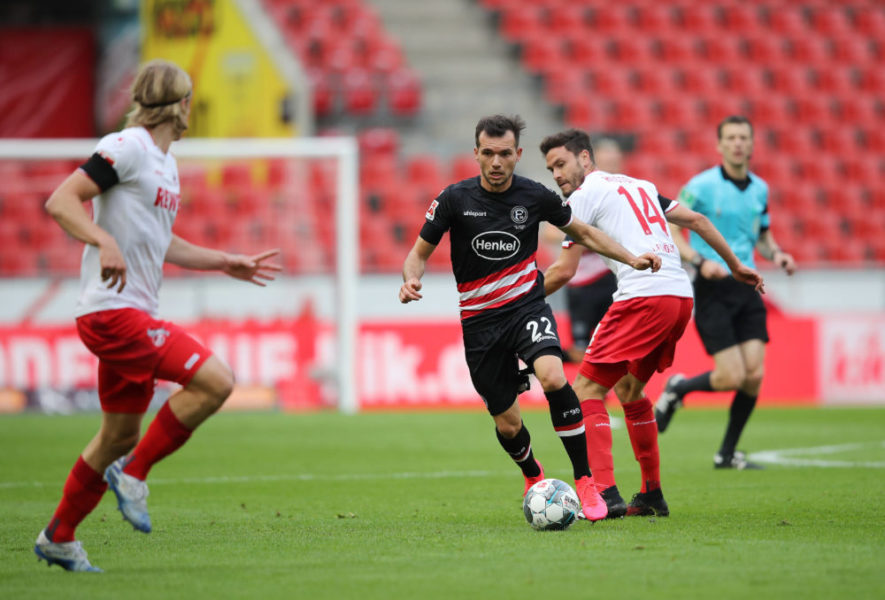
(639, 332)
(133, 180)
(138, 211)
(631, 211)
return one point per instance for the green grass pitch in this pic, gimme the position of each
(426, 505)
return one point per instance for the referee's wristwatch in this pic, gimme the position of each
(697, 260)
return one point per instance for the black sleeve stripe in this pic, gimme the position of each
(100, 171)
(664, 202)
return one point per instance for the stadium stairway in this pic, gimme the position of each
(467, 71)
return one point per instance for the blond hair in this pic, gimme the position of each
(157, 92)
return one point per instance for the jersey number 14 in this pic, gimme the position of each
(648, 214)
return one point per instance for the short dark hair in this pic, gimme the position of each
(498, 126)
(733, 120)
(574, 140)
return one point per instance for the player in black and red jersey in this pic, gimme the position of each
(493, 220)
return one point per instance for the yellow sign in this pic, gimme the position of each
(238, 91)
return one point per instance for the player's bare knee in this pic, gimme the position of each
(626, 392)
(118, 443)
(508, 430)
(753, 381)
(550, 382)
(729, 379)
(220, 387)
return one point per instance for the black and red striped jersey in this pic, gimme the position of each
(494, 241)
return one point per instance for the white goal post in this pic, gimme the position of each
(342, 149)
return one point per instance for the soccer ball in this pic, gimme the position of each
(551, 504)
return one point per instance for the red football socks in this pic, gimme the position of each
(643, 432)
(165, 435)
(597, 426)
(83, 490)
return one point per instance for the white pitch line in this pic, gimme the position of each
(285, 477)
(790, 456)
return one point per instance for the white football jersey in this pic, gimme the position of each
(138, 212)
(629, 211)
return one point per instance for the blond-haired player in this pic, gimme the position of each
(133, 179)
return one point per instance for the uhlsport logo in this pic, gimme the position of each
(495, 245)
(158, 336)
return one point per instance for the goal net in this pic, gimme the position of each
(240, 195)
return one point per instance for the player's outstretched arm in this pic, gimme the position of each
(413, 270)
(597, 240)
(563, 269)
(253, 269)
(700, 224)
(65, 205)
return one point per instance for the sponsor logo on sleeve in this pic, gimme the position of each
(431, 211)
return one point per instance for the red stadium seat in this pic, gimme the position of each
(698, 17)
(836, 80)
(719, 107)
(740, 17)
(873, 138)
(777, 170)
(808, 50)
(674, 47)
(679, 109)
(655, 80)
(427, 170)
(464, 166)
(871, 78)
(831, 21)
(586, 49)
(378, 140)
(323, 94)
(850, 49)
(520, 22)
(787, 21)
(699, 78)
(563, 81)
(764, 49)
(565, 19)
(610, 19)
(789, 80)
(633, 113)
(629, 48)
(765, 110)
(404, 93)
(614, 83)
(359, 94)
(866, 168)
(654, 18)
(840, 141)
(586, 113)
(719, 48)
(538, 51)
(812, 109)
(744, 80)
(869, 20)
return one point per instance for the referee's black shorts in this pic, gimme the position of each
(728, 313)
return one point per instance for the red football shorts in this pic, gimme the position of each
(133, 350)
(637, 336)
